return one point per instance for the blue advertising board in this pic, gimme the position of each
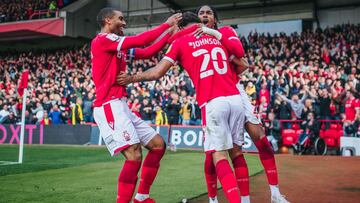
(181, 137)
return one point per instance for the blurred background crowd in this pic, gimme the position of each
(291, 77)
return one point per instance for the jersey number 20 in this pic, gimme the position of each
(214, 58)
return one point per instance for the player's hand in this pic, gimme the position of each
(173, 30)
(211, 32)
(123, 79)
(174, 19)
(199, 31)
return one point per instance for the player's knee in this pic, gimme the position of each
(255, 131)
(133, 152)
(235, 151)
(218, 156)
(156, 143)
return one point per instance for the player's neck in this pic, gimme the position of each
(108, 31)
(189, 25)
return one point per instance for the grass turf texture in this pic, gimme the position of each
(89, 174)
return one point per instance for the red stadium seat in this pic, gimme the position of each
(289, 137)
(332, 135)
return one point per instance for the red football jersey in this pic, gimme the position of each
(206, 61)
(107, 61)
(108, 57)
(350, 109)
(236, 50)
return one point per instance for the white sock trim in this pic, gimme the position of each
(141, 197)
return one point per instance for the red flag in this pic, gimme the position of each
(24, 78)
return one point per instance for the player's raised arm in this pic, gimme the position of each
(231, 43)
(152, 74)
(145, 38)
(147, 52)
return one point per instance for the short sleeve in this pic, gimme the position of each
(111, 42)
(172, 52)
(229, 32)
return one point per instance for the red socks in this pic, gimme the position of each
(210, 175)
(242, 174)
(267, 159)
(127, 181)
(149, 170)
(228, 181)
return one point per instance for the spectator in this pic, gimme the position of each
(46, 120)
(161, 117)
(352, 128)
(88, 108)
(272, 129)
(311, 130)
(296, 105)
(308, 108)
(65, 112)
(352, 106)
(55, 115)
(195, 112)
(173, 108)
(10, 119)
(76, 113)
(325, 106)
(146, 111)
(4, 113)
(283, 112)
(263, 108)
(185, 112)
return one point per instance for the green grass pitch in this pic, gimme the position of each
(89, 174)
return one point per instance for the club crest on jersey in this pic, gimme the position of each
(119, 55)
(126, 135)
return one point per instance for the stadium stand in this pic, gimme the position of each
(15, 10)
(323, 66)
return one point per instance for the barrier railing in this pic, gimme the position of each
(38, 14)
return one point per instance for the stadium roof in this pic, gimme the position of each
(190, 4)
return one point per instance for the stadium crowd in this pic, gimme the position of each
(290, 78)
(18, 10)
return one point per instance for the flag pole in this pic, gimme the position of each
(21, 151)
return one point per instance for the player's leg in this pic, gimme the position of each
(119, 135)
(226, 176)
(210, 178)
(267, 158)
(150, 168)
(266, 153)
(218, 140)
(128, 175)
(241, 172)
(237, 121)
(257, 134)
(156, 146)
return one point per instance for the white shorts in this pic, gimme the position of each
(249, 108)
(119, 127)
(223, 123)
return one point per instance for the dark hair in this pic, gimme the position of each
(215, 12)
(104, 13)
(187, 18)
